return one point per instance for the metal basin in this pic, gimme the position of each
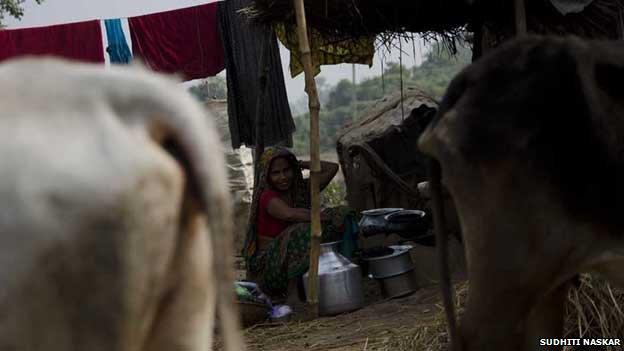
(389, 265)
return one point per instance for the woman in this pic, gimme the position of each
(278, 236)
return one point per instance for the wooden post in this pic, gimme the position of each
(520, 15)
(315, 163)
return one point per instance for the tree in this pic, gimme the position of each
(12, 8)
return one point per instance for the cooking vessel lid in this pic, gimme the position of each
(380, 211)
(405, 216)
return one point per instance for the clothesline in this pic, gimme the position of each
(184, 41)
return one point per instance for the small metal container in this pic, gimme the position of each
(398, 262)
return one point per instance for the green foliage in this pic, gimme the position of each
(210, 88)
(13, 8)
(334, 194)
(432, 76)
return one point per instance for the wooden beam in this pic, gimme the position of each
(315, 163)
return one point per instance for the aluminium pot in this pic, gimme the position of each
(340, 282)
(396, 262)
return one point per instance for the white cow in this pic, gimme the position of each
(114, 214)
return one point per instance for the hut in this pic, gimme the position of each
(382, 165)
(378, 154)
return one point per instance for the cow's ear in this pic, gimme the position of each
(609, 79)
(602, 81)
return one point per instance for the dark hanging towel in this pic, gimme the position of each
(80, 41)
(242, 42)
(184, 41)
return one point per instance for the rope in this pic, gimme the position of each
(383, 81)
(401, 78)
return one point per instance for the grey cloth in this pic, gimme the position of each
(242, 42)
(570, 6)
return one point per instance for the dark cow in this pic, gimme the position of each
(531, 143)
(115, 217)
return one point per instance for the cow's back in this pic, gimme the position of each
(92, 209)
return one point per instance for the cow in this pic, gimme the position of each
(530, 141)
(115, 217)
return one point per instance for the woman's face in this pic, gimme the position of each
(281, 174)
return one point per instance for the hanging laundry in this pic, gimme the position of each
(117, 48)
(78, 41)
(242, 43)
(325, 49)
(182, 41)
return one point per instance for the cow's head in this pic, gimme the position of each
(530, 140)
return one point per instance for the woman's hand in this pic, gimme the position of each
(327, 173)
(304, 164)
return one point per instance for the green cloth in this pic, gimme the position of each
(325, 50)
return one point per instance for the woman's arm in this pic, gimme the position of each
(328, 172)
(278, 208)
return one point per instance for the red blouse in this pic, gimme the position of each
(268, 225)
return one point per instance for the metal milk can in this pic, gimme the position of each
(340, 282)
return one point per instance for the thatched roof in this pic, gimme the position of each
(355, 18)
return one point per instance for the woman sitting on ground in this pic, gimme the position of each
(278, 236)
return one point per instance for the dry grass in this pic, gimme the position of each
(594, 310)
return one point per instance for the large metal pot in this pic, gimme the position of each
(397, 262)
(340, 282)
(409, 224)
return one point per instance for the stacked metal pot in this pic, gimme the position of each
(394, 270)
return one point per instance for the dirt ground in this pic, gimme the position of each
(407, 323)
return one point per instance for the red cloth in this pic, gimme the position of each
(78, 41)
(184, 41)
(268, 225)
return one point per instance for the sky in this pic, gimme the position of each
(67, 11)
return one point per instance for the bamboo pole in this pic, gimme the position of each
(315, 163)
(520, 14)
